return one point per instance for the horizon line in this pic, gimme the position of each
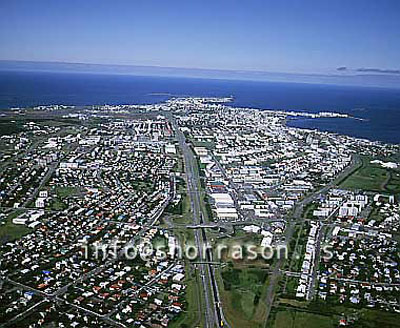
(360, 80)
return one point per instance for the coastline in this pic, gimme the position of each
(375, 114)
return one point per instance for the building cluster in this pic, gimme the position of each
(363, 269)
(82, 187)
(255, 166)
(308, 267)
(99, 177)
(269, 233)
(135, 291)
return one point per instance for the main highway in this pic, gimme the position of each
(213, 313)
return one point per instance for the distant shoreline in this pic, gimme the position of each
(361, 80)
(378, 120)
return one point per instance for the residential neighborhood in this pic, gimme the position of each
(83, 187)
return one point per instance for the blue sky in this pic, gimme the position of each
(280, 36)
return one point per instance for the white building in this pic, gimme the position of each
(40, 202)
(170, 149)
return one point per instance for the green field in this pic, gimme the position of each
(295, 314)
(10, 231)
(374, 318)
(62, 193)
(10, 127)
(65, 192)
(191, 316)
(242, 296)
(393, 184)
(373, 177)
(297, 319)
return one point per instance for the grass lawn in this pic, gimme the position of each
(57, 205)
(64, 192)
(321, 314)
(372, 177)
(193, 293)
(374, 318)
(10, 127)
(10, 231)
(393, 184)
(309, 210)
(297, 319)
(242, 292)
(191, 316)
(293, 302)
(184, 214)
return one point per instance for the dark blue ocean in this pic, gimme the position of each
(380, 108)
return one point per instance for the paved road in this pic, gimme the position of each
(213, 313)
(297, 217)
